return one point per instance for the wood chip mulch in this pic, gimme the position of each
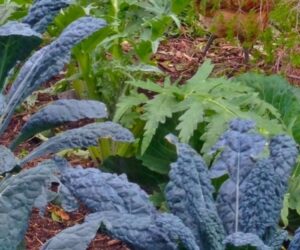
(180, 58)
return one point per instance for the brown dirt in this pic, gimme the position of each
(43, 228)
(181, 57)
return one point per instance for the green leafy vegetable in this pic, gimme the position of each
(77, 237)
(57, 113)
(47, 62)
(7, 160)
(17, 196)
(42, 13)
(189, 196)
(83, 137)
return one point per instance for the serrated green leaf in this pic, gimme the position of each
(189, 121)
(148, 85)
(216, 126)
(202, 74)
(156, 112)
(128, 102)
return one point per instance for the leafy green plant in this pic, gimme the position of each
(39, 68)
(283, 34)
(279, 93)
(197, 221)
(201, 103)
(120, 207)
(123, 50)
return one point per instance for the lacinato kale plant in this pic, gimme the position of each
(244, 215)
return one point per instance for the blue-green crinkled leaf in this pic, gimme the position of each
(240, 147)
(159, 232)
(17, 197)
(17, 40)
(283, 153)
(47, 63)
(68, 202)
(189, 196)
(105, 192)
(44, 198)
(245, 241)
(295, 243)
(77, 237)
(268, 179)
(2, 104)
(60, 112)
(7, 160)
(258, 214)
(83, 137)
(43, 12)
(276, 239)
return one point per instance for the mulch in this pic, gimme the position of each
(180, 58)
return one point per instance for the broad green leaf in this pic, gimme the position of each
(285, 210)
(126, 103)
(135, 171)
(58, 113)
(17, 41)
(160, 153)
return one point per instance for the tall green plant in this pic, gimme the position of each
(200, 100)
(123, 50)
